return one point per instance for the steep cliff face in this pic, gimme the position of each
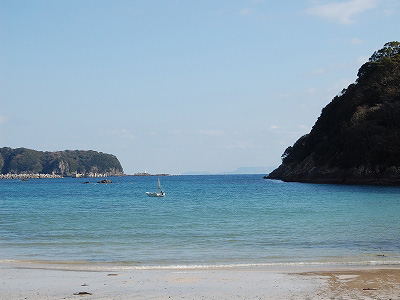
(65, 163)
(356, 140)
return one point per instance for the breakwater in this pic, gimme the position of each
(28, 176)
(40, 175)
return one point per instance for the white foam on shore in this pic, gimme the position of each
(97, 266)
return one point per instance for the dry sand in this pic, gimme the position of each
(51, 281)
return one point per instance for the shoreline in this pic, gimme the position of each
(71, 281)
(341, 181)
(133, 266)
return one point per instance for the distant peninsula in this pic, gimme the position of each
(25, 162)
(356, 139)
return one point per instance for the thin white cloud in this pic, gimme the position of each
(3, 120)
(238, 144)
(318, 71)
(211, 132)
(342, 12)
(303, 127)
(356, 63)
(177, 132)
(253, 13)
(273, 127)
(245, 12)
(356, 41)
(122, 133)
(283, 95)
(388, 12)
(362, 59)
(311, 90)
(340, 85)
(289, 131)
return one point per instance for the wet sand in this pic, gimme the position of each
(52, 281)
(367, 283)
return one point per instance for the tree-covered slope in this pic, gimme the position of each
(357, 137)
(65, 163)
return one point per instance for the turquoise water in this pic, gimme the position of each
(202, 220)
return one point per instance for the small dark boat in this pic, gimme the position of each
(104, 181)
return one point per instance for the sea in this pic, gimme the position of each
(203, 221)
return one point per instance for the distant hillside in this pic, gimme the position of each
(356, 140)
(65, 163)
(238, 171)
(197, 173)
(251, 170)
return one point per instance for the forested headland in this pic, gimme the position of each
(356, 139)
(63, 163)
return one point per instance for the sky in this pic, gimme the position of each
(180, 85)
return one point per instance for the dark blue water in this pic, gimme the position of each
(202, 220)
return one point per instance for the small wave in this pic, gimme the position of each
(256, 265)
(96, 266)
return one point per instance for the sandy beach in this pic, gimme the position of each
(52, 281)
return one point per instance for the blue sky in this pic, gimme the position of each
(177, 86)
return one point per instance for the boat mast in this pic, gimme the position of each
(159, 186)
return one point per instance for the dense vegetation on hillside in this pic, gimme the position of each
(65, 163)
(357, 137)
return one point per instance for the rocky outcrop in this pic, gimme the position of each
(356, 140)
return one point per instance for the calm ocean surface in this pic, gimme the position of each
(202, 220)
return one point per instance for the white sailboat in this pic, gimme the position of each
(158, 193)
